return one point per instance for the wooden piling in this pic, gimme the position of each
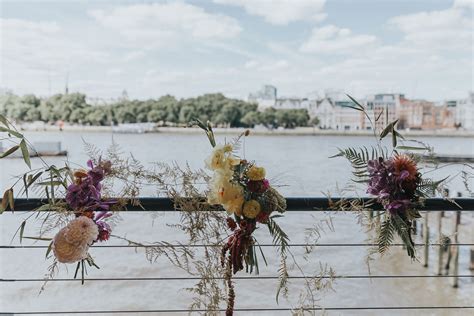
(440, 242)
(455, 248)
(426, 241)
(471, 266)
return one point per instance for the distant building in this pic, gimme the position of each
(464, 112)
(265, 97)
(334, 110)
(382, 108)
(324, 111)
(421, 114)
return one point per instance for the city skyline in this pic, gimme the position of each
(188, 48)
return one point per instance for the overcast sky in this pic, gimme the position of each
(423, 48)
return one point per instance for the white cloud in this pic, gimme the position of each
(464, 4)
(282, 12)
(33, 53)
(166, 23)
(332, 39)
(444, 29)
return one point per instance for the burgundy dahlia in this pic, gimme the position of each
(258, 186)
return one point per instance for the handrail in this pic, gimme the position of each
(293, 204)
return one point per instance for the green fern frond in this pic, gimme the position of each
(386, 235)
(359, 159)
(403, 230)
(280, 238)
(282, 279)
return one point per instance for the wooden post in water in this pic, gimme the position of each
(426, 240)
(440, 242)
(471, 266)
(457, 221)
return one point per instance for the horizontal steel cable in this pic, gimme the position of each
(261, 245)
(245, 278)
(282, 309)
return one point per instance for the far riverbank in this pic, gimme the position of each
(299, 131)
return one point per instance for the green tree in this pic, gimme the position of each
(251, 119)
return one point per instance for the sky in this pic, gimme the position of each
(422, 48)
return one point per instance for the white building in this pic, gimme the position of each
(324, 111)
(265, 97)
(464, 113)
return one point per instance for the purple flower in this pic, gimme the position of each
(104, 231)
(398, 206)
(388, 185)
(85, 193)
(380, 172)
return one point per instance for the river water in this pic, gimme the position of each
(300, 164)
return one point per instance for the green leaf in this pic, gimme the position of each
(388, 129)
(77, 269)
(34, 178)
(10, 131)
(4, 205)
(9, 151)
(48, 251)
(25, 185)
(38, 238)
(411, 148)
(354, 107)
(45, 207)
(25, 152)
(50, 183)
(11, 200)
(360, 107)
(22, 230)
(4, 120)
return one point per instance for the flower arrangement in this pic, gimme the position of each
(83, 197)
(241, 188)
(394, 180)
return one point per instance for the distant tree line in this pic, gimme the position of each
(167, 110)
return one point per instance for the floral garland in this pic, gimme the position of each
(241, 188)
(395, 180)
(83, 197)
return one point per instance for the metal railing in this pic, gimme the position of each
(294, 204)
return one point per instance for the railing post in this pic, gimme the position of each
(457, 220)
(426, 240)
(440, 241)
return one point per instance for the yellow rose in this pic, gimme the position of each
(251, 209)
(229, 192)
(256, 173)
(235, 206)
(222, 158)
(216, 160)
